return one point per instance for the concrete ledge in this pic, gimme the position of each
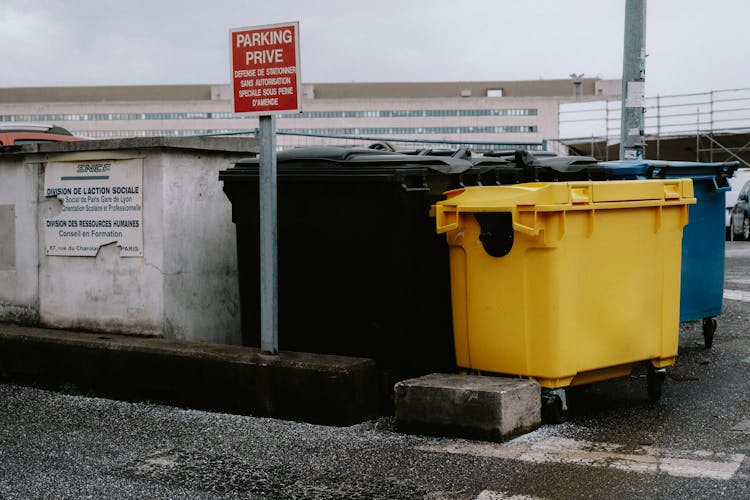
(488, 408)
(223, 144)
(324, 389)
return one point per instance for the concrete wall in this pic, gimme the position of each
(19, 283)
(185, 285)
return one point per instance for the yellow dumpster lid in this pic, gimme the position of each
(558, 195)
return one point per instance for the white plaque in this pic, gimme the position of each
(102, 203)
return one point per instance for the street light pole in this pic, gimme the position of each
(632, 134)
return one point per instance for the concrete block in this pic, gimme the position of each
(316, 388)
(476, 407)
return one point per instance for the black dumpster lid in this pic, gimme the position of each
(565, 160)
(463, 153)
(346, 159)
(565, 163)
(493, 161)
(557, 163)
(511, 153)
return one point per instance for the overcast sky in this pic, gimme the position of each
(693, 46)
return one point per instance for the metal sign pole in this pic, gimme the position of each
(269, 305)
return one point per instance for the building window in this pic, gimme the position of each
(433, 113)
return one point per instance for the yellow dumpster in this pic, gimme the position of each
(566, 283)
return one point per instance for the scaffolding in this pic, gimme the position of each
(718, 122)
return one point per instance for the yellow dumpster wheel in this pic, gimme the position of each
(654, 382)
(555, 402)
(554, 405)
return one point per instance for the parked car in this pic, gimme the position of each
(16, 134)
(736, 182)
(740, 217)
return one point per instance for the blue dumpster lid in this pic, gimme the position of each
(661, 169)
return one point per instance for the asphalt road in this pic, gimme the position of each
(694, 443)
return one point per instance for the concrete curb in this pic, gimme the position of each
(316, 388)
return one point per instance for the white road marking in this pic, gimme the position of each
(644, 460)
(501, 495)
(739, 281)
(742, 295)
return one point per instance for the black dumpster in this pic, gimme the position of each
(507, 167)
(497, 170)
(361, 271)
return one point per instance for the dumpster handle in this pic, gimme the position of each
(413, 183)
(672, 190)
(721, 186)
(445, 220)
(531, 231)
(521, 228)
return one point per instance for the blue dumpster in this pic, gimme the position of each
(702, 278)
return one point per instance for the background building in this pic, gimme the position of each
(483, 115)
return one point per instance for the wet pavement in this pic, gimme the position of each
(693, 443)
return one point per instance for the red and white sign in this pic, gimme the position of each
(265, 69)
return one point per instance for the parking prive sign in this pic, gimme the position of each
(265, 69)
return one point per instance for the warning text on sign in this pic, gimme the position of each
(265, 69)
